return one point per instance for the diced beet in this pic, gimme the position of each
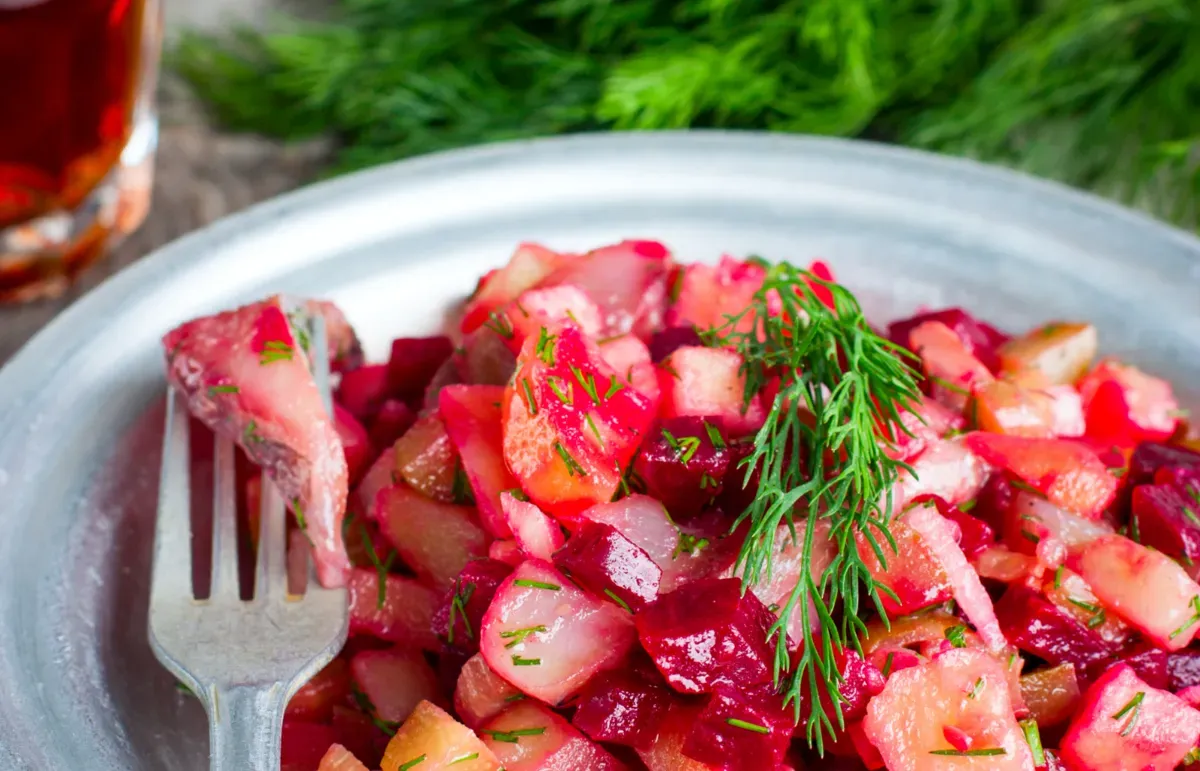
(627, 280)
(356, 443)
(860, 682)
(1069, 473)
(536, 534)
(529, 737)
(605, 562)
(480, 694)
(709, 382)
(1149, 457)
(363, 391)
(981, 339)
(547, 637)
(304, 744)
(1124, 405)
(707, 632)
(964, 688)
(316, 698)
(684, 553)
(359, 734)
(570, 426)
(1036, 626)
(1148, 663)
(683, 463)
(1125, 723)
(1183, 669)
(665, 342)
(427, 461)
(467, 601)
(245, 374)
(741, 729)
(389, 424)
(622, 708)
(394, 681)
(338, 758)
(435, 539)
(402, 612)
(446, 375)
(439, 741)
(994, 500)
(1146, 589)
(413, 362)
(1168, 519)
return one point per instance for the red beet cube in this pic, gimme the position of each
(609, 564)
(363, 390)
(1183, 669)
(623, 708)
(1169, 520)
(391, 421)
(414, 362)
(1037, 626)
(1149, 457)
(741, 729)
(304, 744)
(664, 342)
(860, 681)
(683, 463)
(707, 632)
(457, 620)
(1148, 663)
(981, 340)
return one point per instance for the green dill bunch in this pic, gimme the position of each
(821, 469)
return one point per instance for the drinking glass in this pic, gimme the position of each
(77, 135)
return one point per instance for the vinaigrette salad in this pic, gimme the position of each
(635, 513)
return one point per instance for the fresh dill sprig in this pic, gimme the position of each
(819, 457)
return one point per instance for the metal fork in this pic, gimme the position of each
(243, 659)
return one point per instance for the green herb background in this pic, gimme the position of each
(1103, 94)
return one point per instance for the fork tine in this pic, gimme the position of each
(271, 571)
(172, 571)
(225, 547)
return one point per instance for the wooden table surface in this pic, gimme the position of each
(201, 175)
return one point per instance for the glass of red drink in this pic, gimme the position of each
(77, 134)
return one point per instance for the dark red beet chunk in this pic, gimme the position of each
(623, 708)
(363, 390)
(475, 588)
(414, 362)
(1169, 520)
(603, 561)
(393, 419)
(1149, 457)
(1183, 669)
(977, 535)
(741, 729)
(304, 744)
(683, 463)
(981, 339)
(1149, 663)
(993, 502)
(664, 342)
(1036, 626)
(705, 633)
(736, 493)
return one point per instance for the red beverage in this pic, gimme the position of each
(75, 83)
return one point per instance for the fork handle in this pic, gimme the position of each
(245, 728)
